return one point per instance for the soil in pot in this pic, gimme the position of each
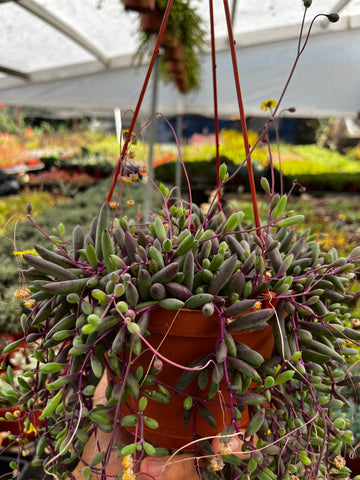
(189, 336)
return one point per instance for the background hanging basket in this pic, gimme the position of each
(139, 5)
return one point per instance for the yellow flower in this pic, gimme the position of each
(355, 322)
(22, 293)
(226, 448)
(112, 205)
(128, 465)
(268, 105)
(20, 253)
(126, 180)
(29, 302)
(144, 170)
(342, 216)
(217, 463)
(256, 307)
(132, 154)
(31, 429)
(130, 203)
(339, 462)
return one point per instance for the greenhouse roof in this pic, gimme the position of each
(79, 55)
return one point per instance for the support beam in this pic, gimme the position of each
(44, 14)
(14, 73)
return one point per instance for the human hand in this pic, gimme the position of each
(170, 467)
(182, 466)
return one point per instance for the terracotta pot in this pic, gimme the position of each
(175, 53)
(16, 427)
(169, 40)
(189, 335)
(353, 464)
(139, 5)
(176, 67)
(150, 22)
(181, 83)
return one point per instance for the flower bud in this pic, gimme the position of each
(130, 314)
(333, 17)
(307, 3)
(158, 364)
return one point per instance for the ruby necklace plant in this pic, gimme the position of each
(114, 302)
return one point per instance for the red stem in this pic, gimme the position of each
(242, 118)
(141, 97)
(216, 115)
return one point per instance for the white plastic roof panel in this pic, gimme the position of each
(69, 50)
